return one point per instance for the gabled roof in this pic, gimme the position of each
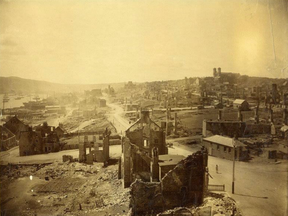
(226, 141)
(284, 128)
(5, 131)
(238, 101)
(14, 118)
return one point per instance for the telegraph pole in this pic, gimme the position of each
(233, 174)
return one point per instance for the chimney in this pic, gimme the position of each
(175, 122)
(285, 100)
(154, 165)
(271, 115)
(285, 116)
(219, 115)
(257, 115)
(240, 116)
(167, 120)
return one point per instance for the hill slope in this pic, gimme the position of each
(20, 85)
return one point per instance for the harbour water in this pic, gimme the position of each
(14, 103)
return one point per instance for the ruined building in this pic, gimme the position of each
(38, 142)
(185, 184)
(30, 143)
(137, 149)
(273, 96)
(146, 134)
(236, 127)
(159, 181)
(97, 154)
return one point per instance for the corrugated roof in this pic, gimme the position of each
(226, 141)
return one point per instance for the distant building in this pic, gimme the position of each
(241, 104)
(284, 86)
(60, 132)
(7, 139)
(223, 147)
(16, 126)
(146, 134)
(225, 77)
(30, 143)
(129, 85)
(131, 107)
(55, 109)
(43, 140)
(94, 93)
(102, 103)
(218, 105)
(51, 143)
(44, 129)
(284, 131)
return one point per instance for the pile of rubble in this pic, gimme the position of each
(67, 189)
(59, 169)
(14, 171)
(214, 204)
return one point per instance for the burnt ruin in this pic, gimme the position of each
(185, 184)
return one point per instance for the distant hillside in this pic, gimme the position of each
(20, 85)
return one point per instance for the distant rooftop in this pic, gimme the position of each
(167, 160)
(238, 101)
(226, 141)
(284, 128)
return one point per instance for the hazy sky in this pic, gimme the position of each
(86, 41)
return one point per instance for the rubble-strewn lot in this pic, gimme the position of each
(63, 189)
(80, 189)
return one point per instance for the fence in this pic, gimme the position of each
(216, 187)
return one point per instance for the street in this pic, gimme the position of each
(115, 117)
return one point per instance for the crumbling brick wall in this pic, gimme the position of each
(225, 128)
(185, 184)
(258, 129)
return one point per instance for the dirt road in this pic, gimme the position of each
(115, 117)
(260, 188)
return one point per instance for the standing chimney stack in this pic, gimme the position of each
(219, 115)
(271, 115)
(285, 116)
(240, 116)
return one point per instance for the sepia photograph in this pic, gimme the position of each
(144, 107)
